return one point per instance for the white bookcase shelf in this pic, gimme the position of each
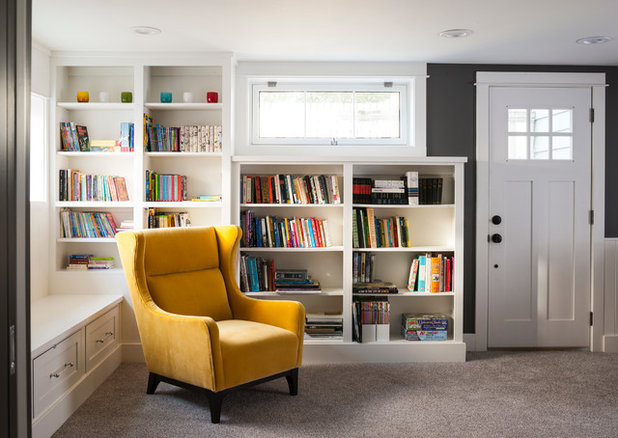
(96, 106)
(192, 106)
(434, 229)
(184, 154)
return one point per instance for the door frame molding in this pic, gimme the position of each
(596, 83)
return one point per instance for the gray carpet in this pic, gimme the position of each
(494, 394)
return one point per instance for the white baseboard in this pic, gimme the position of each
(133, 353)
(49, 421)
(470, 340)
(610, 343)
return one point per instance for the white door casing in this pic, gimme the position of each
(551, 308)
(539, 184)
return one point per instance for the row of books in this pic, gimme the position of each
(164, 219)
(84, 224)
(370, 319)
(187, 138)
(368, 231)
(165, 187)
(375, 287)
(323, 325)
(289, 189)
(362, 267)
(84, 262)
(76, 186)
(431, 273)
(278, 232)
(430, 191)
(75, 138)
(260, 275)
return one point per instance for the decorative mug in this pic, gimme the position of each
(126, 97)
(83, 96)
(212, 97)
(187, 97)
(103, 96)
(166, 97)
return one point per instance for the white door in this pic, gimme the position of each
(539, 204)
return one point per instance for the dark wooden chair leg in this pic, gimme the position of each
(292, 379)
(214, 402)
(153, 382)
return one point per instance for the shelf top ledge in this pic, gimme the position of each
(307, 159)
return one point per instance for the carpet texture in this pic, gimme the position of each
(494, 394)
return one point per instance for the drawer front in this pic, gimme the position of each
(55, 371)
(101, 337)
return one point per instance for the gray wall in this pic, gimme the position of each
(451, 131)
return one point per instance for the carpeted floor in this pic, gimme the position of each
(494, 394)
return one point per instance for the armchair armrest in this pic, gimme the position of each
(181, 347)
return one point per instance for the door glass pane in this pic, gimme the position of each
(539, 147)
(518, 145)
(518, 119)
(562, 120)
(539, 120)
(330, 114)
(377, 115)
(282, 114)
(562, 147)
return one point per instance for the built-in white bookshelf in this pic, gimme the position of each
(146, 78)
(436, 229)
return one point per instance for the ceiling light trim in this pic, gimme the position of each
(456, 33)
(588, 41)
(146, 30)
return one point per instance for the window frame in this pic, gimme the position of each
(405, 88)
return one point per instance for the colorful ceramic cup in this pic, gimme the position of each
(166, 97)
(83, 96)
(126, 97)
(212, 97)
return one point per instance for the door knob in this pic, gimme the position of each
(496, 220)
(496, 238)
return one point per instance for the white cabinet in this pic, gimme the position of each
(101, 338)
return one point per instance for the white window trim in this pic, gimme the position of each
(404, 85)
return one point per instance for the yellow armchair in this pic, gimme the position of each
(197, 329)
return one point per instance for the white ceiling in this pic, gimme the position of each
(505, 31)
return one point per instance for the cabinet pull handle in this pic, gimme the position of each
(57, 373)
(107, 335)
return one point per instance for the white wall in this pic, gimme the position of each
(304, 69)
(39, 211)
(610, 318)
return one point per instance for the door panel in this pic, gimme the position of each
(539, 174)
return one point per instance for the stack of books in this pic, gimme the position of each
(424, 327)
(207, 198)
(431, 273)
(289, 189)
(374, 287)
(76, 186)
(274, 232)
(323, 325)
(368, 231)
(295, 281)
(126, 225)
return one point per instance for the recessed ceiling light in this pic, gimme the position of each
(456, 33)
(146, 30)
(593, 40)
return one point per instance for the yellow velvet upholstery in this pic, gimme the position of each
(195, 324)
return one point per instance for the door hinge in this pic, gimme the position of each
(591, 217)
(12, 365)
(591, 318)
(591, 115)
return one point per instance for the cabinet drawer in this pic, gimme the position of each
(101, 337)
(55, 371)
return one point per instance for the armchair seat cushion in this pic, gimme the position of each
(252, 350)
